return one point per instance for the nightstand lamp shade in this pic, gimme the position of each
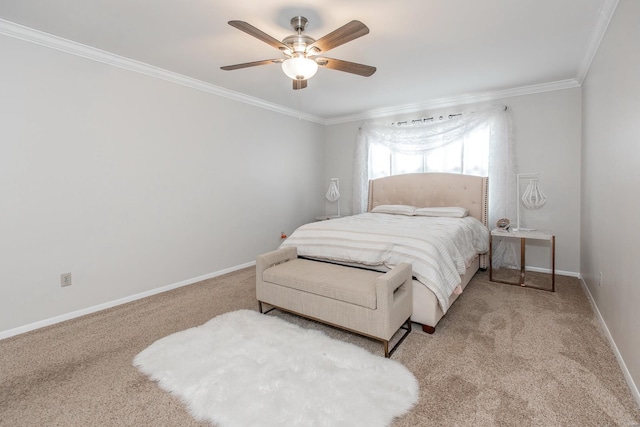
(333, 193)
(533, 197)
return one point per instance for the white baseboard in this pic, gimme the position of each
(627, 375)
(558, 272)
(120, 301)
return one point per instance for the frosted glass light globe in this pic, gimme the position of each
(299, 68)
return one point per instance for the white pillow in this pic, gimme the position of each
(395, 209)
(449, 211)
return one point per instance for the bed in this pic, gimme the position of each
(387, 234)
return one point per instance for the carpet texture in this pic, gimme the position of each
(502, 356)
(243, 369)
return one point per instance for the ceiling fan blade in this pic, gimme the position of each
(342, 35)
(251, 64)
(346, 66)
(260, 35)
(299, 84)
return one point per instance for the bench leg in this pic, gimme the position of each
(261, 308)
(407, 328)
(387, 353)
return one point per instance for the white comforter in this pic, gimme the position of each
(439, 249)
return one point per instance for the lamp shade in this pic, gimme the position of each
(332, 193)
(299, 68)
(533, 197)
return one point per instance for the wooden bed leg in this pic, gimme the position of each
(428, 329)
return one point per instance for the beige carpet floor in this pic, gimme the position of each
(503, 356)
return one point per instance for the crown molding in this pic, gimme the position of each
(41, 38)
(31, 35)
(605, 14)
(456, 101)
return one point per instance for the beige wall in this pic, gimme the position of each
(132, 183)
(611, 182)
(547, 127)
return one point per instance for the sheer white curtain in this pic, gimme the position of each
(421, 138)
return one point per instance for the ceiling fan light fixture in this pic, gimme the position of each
(302, 52)
(299, 68)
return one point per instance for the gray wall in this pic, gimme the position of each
(611, 182)
(132, 183)
(547, 128)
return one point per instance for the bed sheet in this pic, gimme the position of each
(439, 249)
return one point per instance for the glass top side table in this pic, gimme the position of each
(523, 236)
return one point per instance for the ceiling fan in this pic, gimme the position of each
(302, 54)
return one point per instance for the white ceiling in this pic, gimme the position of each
(425, 50)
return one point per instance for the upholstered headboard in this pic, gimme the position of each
(430, 190)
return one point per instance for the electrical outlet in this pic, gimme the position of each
(65, 279)
(600, 279)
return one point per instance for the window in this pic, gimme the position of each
(469, 155)
(479, 143)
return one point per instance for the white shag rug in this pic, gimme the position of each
(249, 369)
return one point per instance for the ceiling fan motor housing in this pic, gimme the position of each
(298, 42)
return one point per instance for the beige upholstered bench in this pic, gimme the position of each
(369, 303)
